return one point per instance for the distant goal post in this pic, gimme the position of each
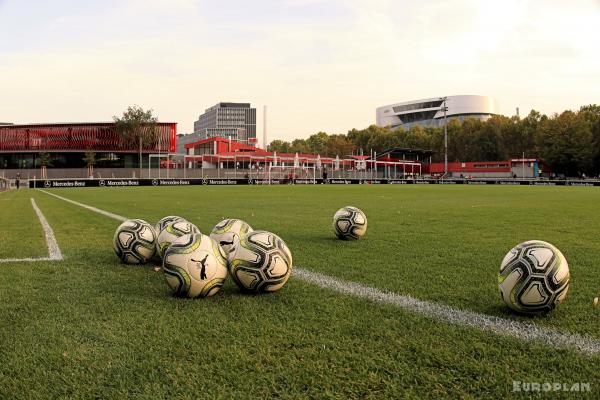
(4, 184)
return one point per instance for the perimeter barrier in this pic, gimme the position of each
(107, 183)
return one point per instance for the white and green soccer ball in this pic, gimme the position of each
(534, 277)
(260, 262)
(195, 266)
(349, 223)
(162, 224)
(171, 232)
(229, 231)
(134, 241)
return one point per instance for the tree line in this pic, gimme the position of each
(569, 142)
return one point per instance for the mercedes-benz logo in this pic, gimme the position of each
(204, 182)
(102, 183)
(250, 181)
(47, 184)
(154, 182)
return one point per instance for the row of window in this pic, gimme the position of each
(418, 106)
(69, 160)
(418, 116)
(503, 165)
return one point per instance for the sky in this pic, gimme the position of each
(318, 65)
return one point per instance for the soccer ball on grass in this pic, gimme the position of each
(172, 231)
(194, 266)
(260, 262)
(134, 241)
(229, 231)
(534, 277)
(349, 223)
(162, 224)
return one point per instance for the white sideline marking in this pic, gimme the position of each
(487, 323)
(94, 209)
(16, 260)
(54, 253)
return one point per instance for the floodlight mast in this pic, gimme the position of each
(445, 137)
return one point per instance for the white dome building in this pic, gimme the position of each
(430, 112)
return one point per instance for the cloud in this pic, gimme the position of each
(319, 65)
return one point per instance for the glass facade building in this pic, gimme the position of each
(236, 121)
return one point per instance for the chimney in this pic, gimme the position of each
(265, 144)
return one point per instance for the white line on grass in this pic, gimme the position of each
(94, 209)
(488, 323)
(54, 253)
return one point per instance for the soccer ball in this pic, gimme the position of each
(349, 223)
(135, 241)
(162, 224)
(195, 266)
(534, 277)
(260, 262)
(228, 231)
(172, 231)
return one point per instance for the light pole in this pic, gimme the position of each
(445, 137)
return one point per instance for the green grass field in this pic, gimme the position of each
(90, 326)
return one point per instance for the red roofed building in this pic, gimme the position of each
(518, 167)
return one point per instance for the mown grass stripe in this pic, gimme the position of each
(488, 323)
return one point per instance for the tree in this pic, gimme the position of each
(339, 145)
(416, 137)
(299, 146)
(279, 146)
(591, 113)
(90, 160)
(137, 126)
(45, 160)
(317, 143)
(565, 143)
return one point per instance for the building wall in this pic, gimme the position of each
(182, 140)
(429, 112)
(480, 175)
(487, 169)
(226, 119)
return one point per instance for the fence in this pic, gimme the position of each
(257, 171)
